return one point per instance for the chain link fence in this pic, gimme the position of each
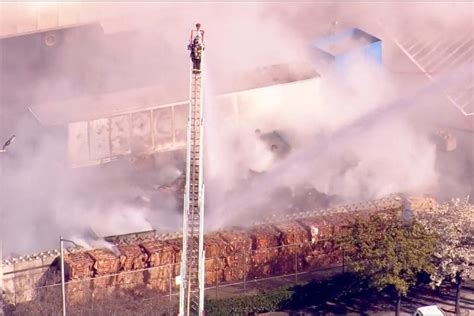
(154, 290)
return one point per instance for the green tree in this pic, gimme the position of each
(453, 223)
(388, 252)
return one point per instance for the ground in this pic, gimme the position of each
(320, 297)
(383, 304)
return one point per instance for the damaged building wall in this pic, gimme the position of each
(295, 243)
(146, 120)
(159, 128)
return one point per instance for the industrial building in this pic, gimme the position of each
(111, 118)
(140, 123)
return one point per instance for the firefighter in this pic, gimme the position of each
(196, 46)
(196, 54)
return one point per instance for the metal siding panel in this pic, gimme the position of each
(78, 139)
(141, 141)
(68, 13)
(120, 135)
(27, 17)
(99, 139)
(8, 18)
(48, 15)
(90, 12)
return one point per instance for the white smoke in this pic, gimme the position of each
(42, 198)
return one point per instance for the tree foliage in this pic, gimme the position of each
(453, 223)
(388, 251)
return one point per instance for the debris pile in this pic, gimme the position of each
(285, 247)
(105, 262)
(132, 257)
(238, 246)
(78, 265)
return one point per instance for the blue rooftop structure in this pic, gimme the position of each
(339, 49)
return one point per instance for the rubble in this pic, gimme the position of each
(213, 246)
(264, 236)
(237, 248)
(77, 292)
(160, 252)
(237, 266)
(147, 259)
(236, 240)
(215, 258)
(130, 280)
(293, 233)
(132, 257)
(105, 262)
(421, 203)
(261, 251)
(214, 270)
(78, 265)
(317, 227)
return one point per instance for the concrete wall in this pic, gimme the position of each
(22, 275)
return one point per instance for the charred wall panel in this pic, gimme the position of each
(141, 139)
(120, 134)
(163, 128)
(99, 141)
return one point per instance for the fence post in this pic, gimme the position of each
(343, 261)
(245, 272)
(170, 285)
(296, 268)
(215, 273)
(170, 282)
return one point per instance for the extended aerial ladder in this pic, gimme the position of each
(191, 300)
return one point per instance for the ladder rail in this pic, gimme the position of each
(193, 257)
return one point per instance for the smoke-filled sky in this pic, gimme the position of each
(362, 135)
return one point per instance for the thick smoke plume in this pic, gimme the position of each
(337, 146)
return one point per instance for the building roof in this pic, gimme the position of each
(19, 18)
(447, 59)
(265, 76)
